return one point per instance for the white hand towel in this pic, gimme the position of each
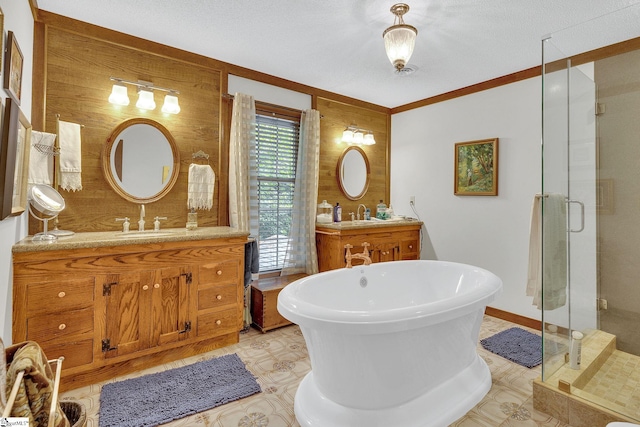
(41, 160)
(548, 239)
(534, 277)
(70, 156)
(200, 187)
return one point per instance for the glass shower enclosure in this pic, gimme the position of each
(590, 209)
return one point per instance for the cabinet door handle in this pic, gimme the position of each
(219, 272)
(218, 297)
(62, 326)
(61, 294)
(218, 322)
(145, 287)
(156, 286)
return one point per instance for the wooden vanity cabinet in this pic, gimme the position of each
(114, 310)
(387, 242)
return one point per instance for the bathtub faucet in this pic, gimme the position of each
(363, 256)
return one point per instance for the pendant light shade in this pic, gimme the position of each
(119, 95)
(171, 105)
(400, 38)
(145, 99)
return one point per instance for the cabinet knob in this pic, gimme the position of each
(410, 246)
(62, 326)
(156, 286)
(219, 272)
(145, 287)
(218, 322)
(218, 297)
(61, 294)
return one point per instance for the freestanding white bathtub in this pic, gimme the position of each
(391, 344)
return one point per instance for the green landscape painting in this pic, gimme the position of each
(476, 168)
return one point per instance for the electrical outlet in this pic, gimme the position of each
(412, 200)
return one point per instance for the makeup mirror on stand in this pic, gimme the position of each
(46, 200)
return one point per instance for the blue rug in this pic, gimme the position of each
(158, 398)
(517, 345)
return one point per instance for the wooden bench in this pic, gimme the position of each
(264, 301)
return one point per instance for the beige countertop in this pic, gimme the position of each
(373, 223)
(118, 238)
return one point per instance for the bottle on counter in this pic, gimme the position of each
(337, 213)
(575, 350)
(367, 214)
(381, 210)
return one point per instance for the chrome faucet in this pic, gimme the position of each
(363, 256)
(141, 222)
(363, 212)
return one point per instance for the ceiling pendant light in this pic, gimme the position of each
(400, 38)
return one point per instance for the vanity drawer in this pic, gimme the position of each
(75, 353)
(55, 296)
(217, 296)
(217, 273)
(65, 324)
(408, 246)
(218, 323)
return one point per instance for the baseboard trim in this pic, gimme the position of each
(515, 318)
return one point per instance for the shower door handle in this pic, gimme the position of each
(581, 215)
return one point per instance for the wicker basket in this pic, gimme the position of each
(75, 412)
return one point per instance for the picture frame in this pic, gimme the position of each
(1, 37)
(15, 148)
(476, 168)
(13, 64)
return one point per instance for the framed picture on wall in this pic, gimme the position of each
(476, 168)
(14, 160)
(1, 36)
(13, 62)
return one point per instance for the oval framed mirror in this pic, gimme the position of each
(353, 173)
(140, 160)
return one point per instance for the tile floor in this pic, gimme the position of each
(279, 360)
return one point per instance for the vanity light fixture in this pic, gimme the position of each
(368, 139)
(400, 38)
(145, 99)
(358, 138)
(145, 95)
(119, 94)
(353, 135)
(171, 105)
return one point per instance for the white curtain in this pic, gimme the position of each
(241, 151)
(301, 255)
(243, 180)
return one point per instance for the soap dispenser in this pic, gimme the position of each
(337, 213)
(125, 224)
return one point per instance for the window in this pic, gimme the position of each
(276, 157)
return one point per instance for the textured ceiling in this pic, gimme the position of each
(337, 45)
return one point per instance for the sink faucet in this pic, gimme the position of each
(364, 211)
(363, 256)
(141, 222)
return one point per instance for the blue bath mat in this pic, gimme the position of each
(158, 398)
(517, 345)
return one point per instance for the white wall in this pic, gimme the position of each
(17, 18)
(491, 232)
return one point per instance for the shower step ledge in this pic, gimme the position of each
(597, 346)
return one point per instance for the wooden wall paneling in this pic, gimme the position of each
(336, 116)
(77, 87)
